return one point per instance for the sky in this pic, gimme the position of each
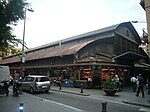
(54, 20)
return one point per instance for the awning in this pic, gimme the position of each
(144, 66)
(128, 57)
(90, 64)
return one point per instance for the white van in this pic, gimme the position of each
(4, 73)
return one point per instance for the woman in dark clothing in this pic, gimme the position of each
(140, 85)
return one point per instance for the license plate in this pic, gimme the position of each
(44, 86)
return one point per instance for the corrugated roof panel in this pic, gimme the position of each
(49, 52)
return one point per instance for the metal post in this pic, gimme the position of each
(104, 104)
(60, 86)
(21, 107)
(23, 53)
(81, 88)
(23, 42)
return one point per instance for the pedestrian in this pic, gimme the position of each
(148, 85)
(16, 76)
(140, 85)
(118, 83)
(133, 82)
(11, 80)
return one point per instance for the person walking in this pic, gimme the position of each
(140, 85)
(148, 85)
(133, 82)
(118, 83)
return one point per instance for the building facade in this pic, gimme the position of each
(146, 6)
(87, 58)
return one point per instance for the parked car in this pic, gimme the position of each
(36, 83)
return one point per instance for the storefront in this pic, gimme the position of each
(88, 75)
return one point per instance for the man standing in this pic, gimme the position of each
(140, 85)
(133, 82)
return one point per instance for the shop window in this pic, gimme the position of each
(87, 73)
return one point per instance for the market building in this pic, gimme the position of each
(87, 58)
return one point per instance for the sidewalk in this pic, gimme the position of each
(125, 96)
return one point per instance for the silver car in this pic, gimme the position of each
(35, 83)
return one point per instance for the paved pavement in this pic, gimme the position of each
(125, 96)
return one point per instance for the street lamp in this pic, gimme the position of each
(144, 33)
(144, 38)
(23, 52)
(138, 21)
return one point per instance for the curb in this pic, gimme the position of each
(82, 94)
(135, 103)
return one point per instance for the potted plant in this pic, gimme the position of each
(109, 86)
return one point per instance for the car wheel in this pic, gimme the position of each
(46, 91)
(7, 93)
(31, 90)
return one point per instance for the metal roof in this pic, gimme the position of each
(53, 49)
(49, 52)
(99, 31)
(103, 30)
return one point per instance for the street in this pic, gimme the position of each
(32, 104)
(61, 102)
(88, 103)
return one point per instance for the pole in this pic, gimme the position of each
(104, 104)
(81, 88)
(60, 86)
(23, 53)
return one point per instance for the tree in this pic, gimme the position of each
(11, 11)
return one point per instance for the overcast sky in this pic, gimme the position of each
(54, 20)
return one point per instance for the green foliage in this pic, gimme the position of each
(7, 40)
(11, 11)
(109, 83)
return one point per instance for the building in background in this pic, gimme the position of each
(144, 39)
(146, 6)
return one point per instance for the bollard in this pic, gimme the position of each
(104, 104)
(81, 88)
(60, 86)
(21, 107)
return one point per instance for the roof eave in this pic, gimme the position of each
(142, 4)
